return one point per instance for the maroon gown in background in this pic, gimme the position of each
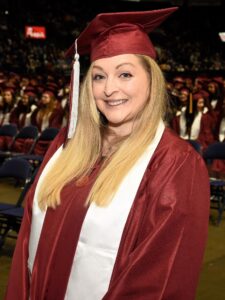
(205, 136)
(162, 245)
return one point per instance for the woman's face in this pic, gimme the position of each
(211, 88)
(45, 98)
(200, 103)
(183, 96)
(7, 95)
(121, 88)
(25, 99)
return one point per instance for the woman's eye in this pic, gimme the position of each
(97, 77)
(125, 75)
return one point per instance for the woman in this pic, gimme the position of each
(195, 122)
(121, 214)
(216, 97)
(48, 114)
(6, 106)
(22, 112)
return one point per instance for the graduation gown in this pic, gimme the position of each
(162, 244)
(205, 136)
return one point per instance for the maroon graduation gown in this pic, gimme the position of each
(162, 245)
(205, 136)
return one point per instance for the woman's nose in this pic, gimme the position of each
(110, 87)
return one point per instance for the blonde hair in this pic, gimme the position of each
(82, 151)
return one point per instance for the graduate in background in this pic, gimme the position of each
(120, 210)
(195, 121)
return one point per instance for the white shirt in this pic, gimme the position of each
(222, 130)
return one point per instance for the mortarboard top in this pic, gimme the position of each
(178, 79)
(219, 80)
(185, 90)
(200, 94)
(49, 92)
(110, 34)
(9, 89)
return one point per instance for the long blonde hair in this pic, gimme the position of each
(82, 151)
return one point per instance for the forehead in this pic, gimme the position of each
(117, 61)
(7, 93)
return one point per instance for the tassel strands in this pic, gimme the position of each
(190, 103)
(74, 96)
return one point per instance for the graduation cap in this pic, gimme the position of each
(201, 94)
(110, 34)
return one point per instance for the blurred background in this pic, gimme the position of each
(34, 36)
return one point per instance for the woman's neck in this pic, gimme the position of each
(111, 138)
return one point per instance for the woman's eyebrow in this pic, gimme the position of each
(125, 63)
(117, 67)
(98, 67)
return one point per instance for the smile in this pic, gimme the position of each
(116, 102)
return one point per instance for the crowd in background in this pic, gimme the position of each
(34, 75)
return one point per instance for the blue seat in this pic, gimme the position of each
(11, 214)
(41, 146)
(196, 145)
(22, 142)
(217, 185)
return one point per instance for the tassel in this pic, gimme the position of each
(74, 96)
(190, 104)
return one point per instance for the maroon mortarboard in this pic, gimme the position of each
(185, 90)
(52, 84)
(9, 89)
(49, 92)
(219, 80)
(178, 79)
(110, 34)
(29, 88)
(200, 94)
(30, 94)
(201, 79)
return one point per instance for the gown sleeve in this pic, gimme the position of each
(165, 260)
(18, 281)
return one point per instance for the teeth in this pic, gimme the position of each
(116, 102)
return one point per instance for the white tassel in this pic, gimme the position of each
(75, 95)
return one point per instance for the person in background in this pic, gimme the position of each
(195, 122)
(23, 111)
(6, 106)
(216, 97)
(48, 114)
(120, 206)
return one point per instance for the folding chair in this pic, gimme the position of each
(11, 214)
(7, 133)
(196, 145)
(41, 146)
(22, 142)
(217, 185)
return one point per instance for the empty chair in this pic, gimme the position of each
(18, 169)
(25, 139)
(213, 152)
(41, 146)
(11, 214)
(22, 142)
(196, 145)
(7, 133)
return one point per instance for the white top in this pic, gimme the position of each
(100, 233)
(195, 128)
(222, 130)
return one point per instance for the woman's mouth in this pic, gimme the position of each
(116, 102)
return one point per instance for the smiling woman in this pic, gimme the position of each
(121, 90)
(120, 209)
